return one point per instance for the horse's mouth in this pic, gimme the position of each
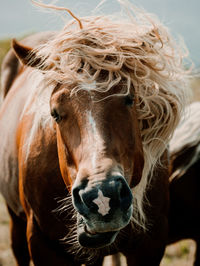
(95, 239)
(88, 231)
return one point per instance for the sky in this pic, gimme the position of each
(20, 17)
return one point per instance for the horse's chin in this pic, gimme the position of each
(95, 240)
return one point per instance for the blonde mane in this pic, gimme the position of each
(137, 50)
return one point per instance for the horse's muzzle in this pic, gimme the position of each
(104, 208)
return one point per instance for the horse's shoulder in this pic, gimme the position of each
(11, 65)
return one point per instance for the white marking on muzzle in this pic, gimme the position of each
(102, 203)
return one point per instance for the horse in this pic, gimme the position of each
(87, 114)
(184, 217)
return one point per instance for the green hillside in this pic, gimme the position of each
(4, 47)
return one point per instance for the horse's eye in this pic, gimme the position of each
(56, 116)
(129, 100)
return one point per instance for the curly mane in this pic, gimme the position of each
(138, 51)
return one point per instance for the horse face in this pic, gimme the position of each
(100, 153)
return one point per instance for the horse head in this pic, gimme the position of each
(99, 150)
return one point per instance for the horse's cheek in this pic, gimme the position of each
(62, 156)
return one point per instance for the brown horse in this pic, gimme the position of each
(84, 127)
(184, 218)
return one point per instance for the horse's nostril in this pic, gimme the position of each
(124, 193)
(88, 197)
(83, 199)
(126, 197)
(78, 202)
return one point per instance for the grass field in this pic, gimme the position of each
(4, 47)
(179, 254)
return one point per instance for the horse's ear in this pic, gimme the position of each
(26, 54)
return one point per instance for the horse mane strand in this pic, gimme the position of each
(58, 8)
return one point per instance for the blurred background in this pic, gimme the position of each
(20, 18)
